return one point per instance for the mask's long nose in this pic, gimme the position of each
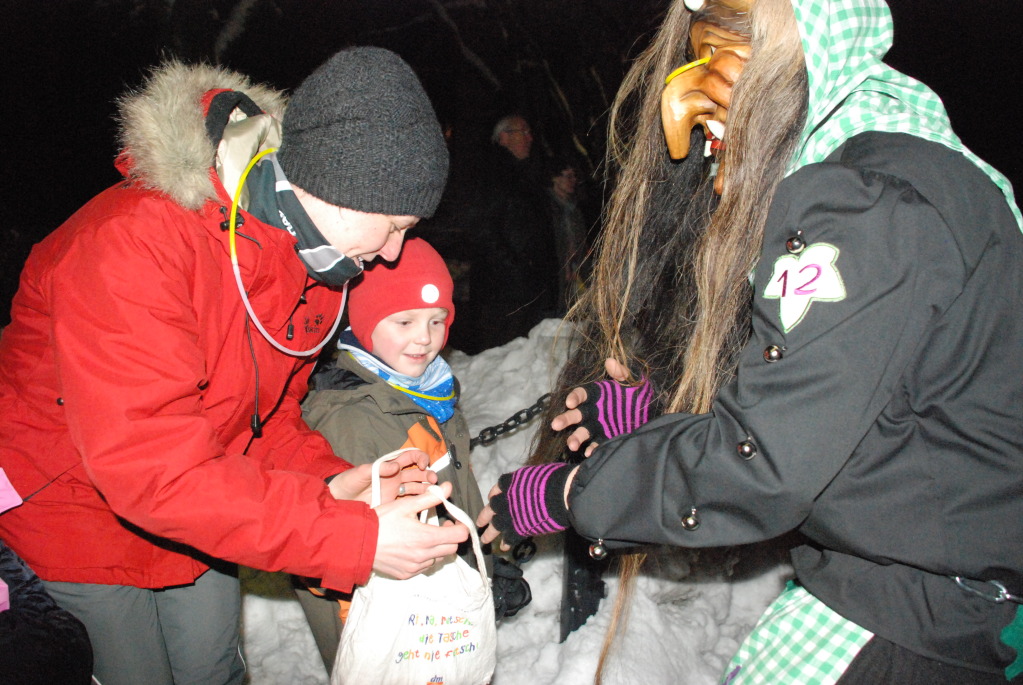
(681, 102)
(697, 92)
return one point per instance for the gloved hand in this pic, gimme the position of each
(611, 409)
(531, 502)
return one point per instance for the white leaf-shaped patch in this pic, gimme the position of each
(799, 280)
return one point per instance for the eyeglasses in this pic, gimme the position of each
(523, 131)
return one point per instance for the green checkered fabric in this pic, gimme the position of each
(797, 640)
(853, 91)
(1012, 635)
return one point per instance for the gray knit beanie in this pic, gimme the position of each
(361, 133)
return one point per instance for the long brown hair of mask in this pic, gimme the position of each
(670, 293)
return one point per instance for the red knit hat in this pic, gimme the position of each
(419, 279)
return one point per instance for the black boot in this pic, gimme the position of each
(511, 591)
(583, 585)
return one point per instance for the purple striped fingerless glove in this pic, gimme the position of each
(531, 502)
(612, 409)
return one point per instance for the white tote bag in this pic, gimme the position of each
(435, 628)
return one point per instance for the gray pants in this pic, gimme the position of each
(184, 635)
(325, 623)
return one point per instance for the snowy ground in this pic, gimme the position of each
(688, 613)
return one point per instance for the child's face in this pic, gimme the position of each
(408, 341)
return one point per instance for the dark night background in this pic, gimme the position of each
(557, 61)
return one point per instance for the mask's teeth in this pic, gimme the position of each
(716, 128)
(694, 5)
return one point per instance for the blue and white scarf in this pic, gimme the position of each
(434, 391)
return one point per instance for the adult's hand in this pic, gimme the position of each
(406, 474)
(583, 412)
(406, 547)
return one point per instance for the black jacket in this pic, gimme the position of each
(513, 281)
(877, 409)
(40, 643)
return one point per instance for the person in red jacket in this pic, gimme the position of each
(162, 338)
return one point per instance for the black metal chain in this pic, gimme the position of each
(488, 435)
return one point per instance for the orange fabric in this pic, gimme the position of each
(344, 606)
(421, 439)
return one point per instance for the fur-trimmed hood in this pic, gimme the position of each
(163, 138)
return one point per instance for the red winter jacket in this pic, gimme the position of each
(128, 376)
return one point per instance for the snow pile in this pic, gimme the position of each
(688, 613)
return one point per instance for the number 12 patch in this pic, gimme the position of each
(800, 279)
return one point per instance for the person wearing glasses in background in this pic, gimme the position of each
(513, 279)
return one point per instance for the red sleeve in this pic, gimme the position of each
(290, 444)
(130, 363)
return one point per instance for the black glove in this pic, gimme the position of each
(612, 409)
(531, 502)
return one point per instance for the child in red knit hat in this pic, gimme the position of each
(389, 388)
(402, 311)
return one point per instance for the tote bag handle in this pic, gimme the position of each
(455, 512)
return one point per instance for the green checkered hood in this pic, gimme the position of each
(853, 91)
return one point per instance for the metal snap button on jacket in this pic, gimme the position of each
(772, 353)
(691, 521)
(597, 550)
(795, 244)
(746, 449)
